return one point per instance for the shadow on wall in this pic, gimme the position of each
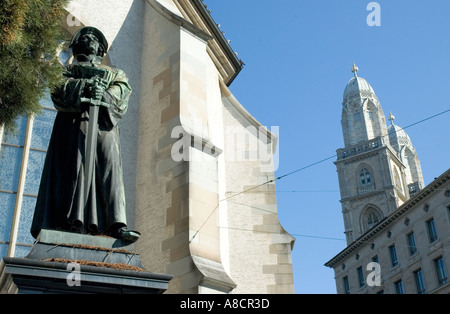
(126, 54)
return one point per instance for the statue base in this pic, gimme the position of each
(64, 262)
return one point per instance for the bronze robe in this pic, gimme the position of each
(60, 200)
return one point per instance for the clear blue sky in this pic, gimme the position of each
(298, 56)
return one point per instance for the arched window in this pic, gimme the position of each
(365, 177)
(370, 218)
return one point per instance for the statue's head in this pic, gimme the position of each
(89, 41)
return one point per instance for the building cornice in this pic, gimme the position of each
(367, 237)
(178, 20)
(219, 49)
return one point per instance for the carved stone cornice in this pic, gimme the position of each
(219, 49)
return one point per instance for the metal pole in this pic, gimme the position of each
(20, 188)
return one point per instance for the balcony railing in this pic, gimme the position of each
(360, 148)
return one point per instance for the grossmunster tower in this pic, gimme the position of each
(378, 168)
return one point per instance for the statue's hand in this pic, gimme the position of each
(96, 87)
(101, 82)
(97, 92)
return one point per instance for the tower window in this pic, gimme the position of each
(365, 177)
(372, 219)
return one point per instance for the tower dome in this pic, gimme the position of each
(401, 142)
(362, 116)
(357, 85)
(398, 138)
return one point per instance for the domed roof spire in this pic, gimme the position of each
(391, 118)
(357, 85)
(355, 69)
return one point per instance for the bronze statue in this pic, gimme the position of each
(82, 187)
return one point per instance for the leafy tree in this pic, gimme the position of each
(30, 34)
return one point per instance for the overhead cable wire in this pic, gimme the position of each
(300, 169)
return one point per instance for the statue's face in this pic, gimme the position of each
(88, 44)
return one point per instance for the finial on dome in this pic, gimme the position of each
(355, 70)
(391, 118)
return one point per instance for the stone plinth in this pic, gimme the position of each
(51, 244)
(62, 262)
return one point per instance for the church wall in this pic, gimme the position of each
(179, 182)
(162, 212)
(209, 244)
(253, 228)
(188, 229)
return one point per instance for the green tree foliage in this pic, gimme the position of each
(30, 34)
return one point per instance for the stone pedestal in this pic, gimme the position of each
(62, 262)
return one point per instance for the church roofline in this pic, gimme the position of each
(270, 137)
(238, 63)
(431, 188)
(226, 60)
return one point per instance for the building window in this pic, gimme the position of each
(21, 163)
(375, 259)
(440, 271)
(346, 285)
(360, 274)
(365, 177)
(432, 234)
(399, 287)
(448, 212)
(411, 243)
(420, 283)
(393, 255)
(22, 156)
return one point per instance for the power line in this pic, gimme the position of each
(317, 237)
(397, 244)
(426, 119)
(334, 156)
(306, 167)
(300, 169)
(293, 234)
(253, 188)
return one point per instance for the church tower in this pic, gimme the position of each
(378, 169)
